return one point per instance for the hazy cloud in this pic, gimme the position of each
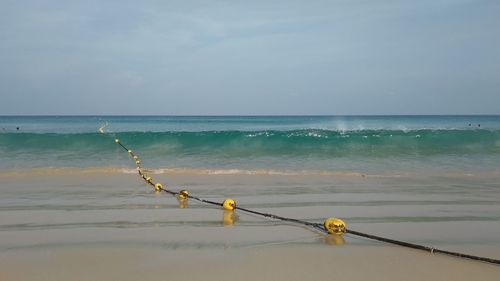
(258, 57)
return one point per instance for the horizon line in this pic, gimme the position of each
(243, 115)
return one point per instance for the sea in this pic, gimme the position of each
(69, 190)
(246, 144)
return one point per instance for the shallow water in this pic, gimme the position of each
(55, 208)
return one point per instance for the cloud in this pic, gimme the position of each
(335, 57)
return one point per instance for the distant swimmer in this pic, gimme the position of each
(479, 125)
(17, 128)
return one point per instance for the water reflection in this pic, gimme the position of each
(229, 218)
(334, 239)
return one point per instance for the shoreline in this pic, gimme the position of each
(181, 171)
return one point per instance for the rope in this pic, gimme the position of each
(423, 248)
(324, 228)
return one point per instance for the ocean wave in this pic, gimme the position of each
(327, 143)
(248, 151)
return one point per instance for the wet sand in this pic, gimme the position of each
(90, 225)
(285, 262)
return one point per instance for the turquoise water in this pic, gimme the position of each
(345, 143)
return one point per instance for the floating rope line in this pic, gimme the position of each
(331, 226)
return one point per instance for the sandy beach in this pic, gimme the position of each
(381, 114)
(289, 262)
(93, 224)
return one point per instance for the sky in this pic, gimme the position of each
(338, 57)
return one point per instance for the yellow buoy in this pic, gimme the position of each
(183, 194)
(158, 187)
(136, 157)
(229, 204)
(148, 179)
(137, 162)
(117, 140)
(130, 151)
(334, 226)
